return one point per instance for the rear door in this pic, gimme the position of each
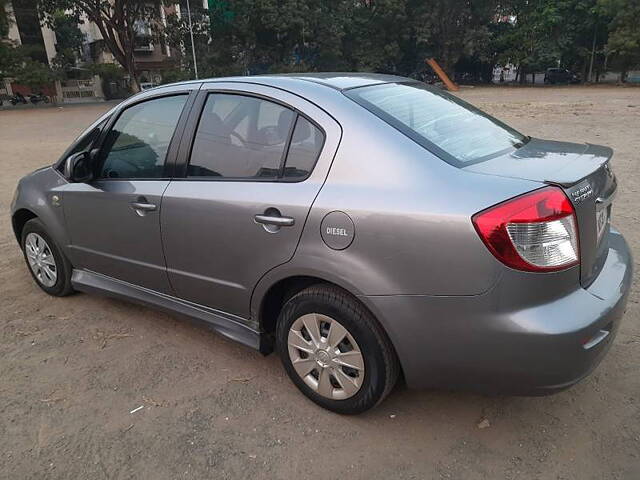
(256, 159)
(114, 220)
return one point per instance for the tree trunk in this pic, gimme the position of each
(135, 82)
(593, 53)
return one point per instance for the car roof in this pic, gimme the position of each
(334, 80)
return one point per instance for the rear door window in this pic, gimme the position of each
(306, 143)
(240, 137)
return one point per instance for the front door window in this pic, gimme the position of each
(137, 145)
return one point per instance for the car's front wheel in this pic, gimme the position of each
(334, 351)
(48, 266)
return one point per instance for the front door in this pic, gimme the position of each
(114, 221)
(257, 162)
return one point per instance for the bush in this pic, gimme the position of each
(35, 75)
(109, 72)
(175, 75)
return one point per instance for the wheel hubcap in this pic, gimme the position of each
(326, 356)
(41, 260)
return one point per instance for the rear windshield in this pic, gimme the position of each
(443, 124)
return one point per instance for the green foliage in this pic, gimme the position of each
(68, 34)
(117, 21)
(175, 75)
(4, 20)
(10, 59)
(34, 74)
(64, 60)
(69, 40)
(393, 36)
(238, 37)
(624, 33)
(109, 72)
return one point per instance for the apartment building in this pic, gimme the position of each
(152, 54)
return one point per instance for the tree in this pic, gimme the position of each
(550, 33)
(375, 34)
(177, 36)
(10, 56)
(4, 19)
(450, 28)
(120, 22)
(624, 35)
(36, 75)
(9, 59)
(69, 41)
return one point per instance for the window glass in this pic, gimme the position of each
(137, 144)
(306, 144)
(461, 133)
(240, 137)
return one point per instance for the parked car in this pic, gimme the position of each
(147, 86)
(560, 75)
(364, 226)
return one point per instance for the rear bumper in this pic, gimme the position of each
(486, 343)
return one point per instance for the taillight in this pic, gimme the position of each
(536, 232)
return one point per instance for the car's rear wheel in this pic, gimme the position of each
(47, 264)
(334, 351)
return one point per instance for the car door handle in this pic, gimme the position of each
(141, 208)
(147, 207)
(275, 220)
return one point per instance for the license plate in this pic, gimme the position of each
(602, 221)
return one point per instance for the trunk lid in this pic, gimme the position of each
(583, 171)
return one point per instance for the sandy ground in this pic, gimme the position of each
(72, 369)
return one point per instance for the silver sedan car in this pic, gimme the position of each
(364, 226)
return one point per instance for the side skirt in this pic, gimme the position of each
(226, 324)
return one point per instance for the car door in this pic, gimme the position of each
(258, 157)
(114, 220)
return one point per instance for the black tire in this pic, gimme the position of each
(380, 360)
(62, 286)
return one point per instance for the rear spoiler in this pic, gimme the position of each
(594, 157)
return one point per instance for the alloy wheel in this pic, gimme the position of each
(41, 259)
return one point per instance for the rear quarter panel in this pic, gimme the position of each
(411, 211)
(412, 216)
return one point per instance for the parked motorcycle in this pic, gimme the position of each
(38, 97)
(17, 98)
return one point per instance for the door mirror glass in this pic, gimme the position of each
(78, 167)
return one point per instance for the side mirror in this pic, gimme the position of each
(77, 168)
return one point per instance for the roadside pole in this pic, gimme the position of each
(193, 48)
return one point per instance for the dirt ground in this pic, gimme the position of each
(72, 370)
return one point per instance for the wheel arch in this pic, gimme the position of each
(278, 294)
(18, 221)
(270, 296)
